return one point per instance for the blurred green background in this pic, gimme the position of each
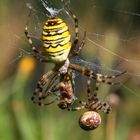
(110, 24)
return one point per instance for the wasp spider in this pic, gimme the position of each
(59, 49)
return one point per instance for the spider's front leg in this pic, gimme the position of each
(106, 78)
(36, 52)
(76, 39)
(80, 47)
(76, 25)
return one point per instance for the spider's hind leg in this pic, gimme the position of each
(106, 78)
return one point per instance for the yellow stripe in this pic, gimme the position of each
(65, 41)
(63, 29)
(58, 48)
(54, 43)
(55, 37)
(53, 32)
(59, 58)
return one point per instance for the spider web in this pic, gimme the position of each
(95, 39)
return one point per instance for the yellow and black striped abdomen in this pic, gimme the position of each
(56, 40)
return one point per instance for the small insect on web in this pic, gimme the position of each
(58, 48)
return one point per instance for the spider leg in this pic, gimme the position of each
(76, 108)
(106, 78)
(87, 72)
(76, 25)
(83, 105)
(55, 88)
(96, 88)
(88, 87)
(39, 100)
(76, 52)
(106, 107)
(51, 85)
(44, 94)
(114, 76)
(98, 77)
(44, 104)
(37, 53)
(90, 74)
(40, 85)
(49, 77)
(96, 104)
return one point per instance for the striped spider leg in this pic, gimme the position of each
(37, 53)
(94, 103)
(44, 87)
(75, 52)
(56, 85)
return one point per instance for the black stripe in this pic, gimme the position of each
(54, 34)
(57, 42)
(55, 39)
(54, 29)
(56, 51)
(56, 54)
(52, 23)
(56, 45)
